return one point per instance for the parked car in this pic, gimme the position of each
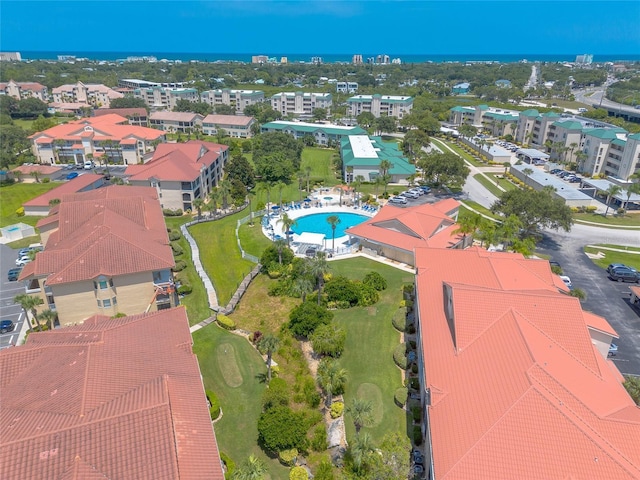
(22, 261)
(410, 194)
(69, 166)
(566, 280)
(71, 175)
(417, 190)
(13, 274)
(555, 171)
(614, 266)
(88, 165)
(424, 188)
(79, 166)
(6, 326)
(575, 179)
(24, 251)
(398, 199)
(613, 350)
(624, 275)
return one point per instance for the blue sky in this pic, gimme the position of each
(323, 27)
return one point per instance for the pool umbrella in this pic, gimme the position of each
(307, 199)
(275, 207)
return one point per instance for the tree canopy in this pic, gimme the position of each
(276, 156)
(239, 168)
(128, 102)
(280, 428)
(444, 168)
(202, 108)
(306, 317)
(535, 209)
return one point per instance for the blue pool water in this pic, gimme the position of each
(317, 223)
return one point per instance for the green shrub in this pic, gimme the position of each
(214, 404)
(417, 435)
(20, 212)
(319, 439)
(180, 265)
(298, 473)
(276, 394)
(329, 340)
(591, 209)
(399, 320)
(341, 289)
(174, 235)
(400, 356)
(288, 457)
(230, 464)
(306, 317)
(46, 180)
(172, 213)
(337, 408)
(185, 289)
(280, 428)
(414, 368)
(177, 249)
(416, 413)
(400, 396)
(408, 288)
(367, 295)
(226, 322)
(375, 280)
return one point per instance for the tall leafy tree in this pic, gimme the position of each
(29, 304)
(198, 203)
(361, 411)
(318, 267)
(287, 222)
(269, 344)
(444, 168)
(611, 192)
(333, 220)
(332, 378)
(239, 168)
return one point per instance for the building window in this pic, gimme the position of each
(99, 303)
(106, 303)
(114, 301)
(102, 283)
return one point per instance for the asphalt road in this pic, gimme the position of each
(8, 290)
(114, 170)
(605, 297)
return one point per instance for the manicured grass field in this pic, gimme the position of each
(196, 302)
(629, 219)
(321, 162)
(478, 208)
(24, 242)
(504, 183)
(230, 368)
(488, 184)
(220, 255)
(442, 144)
(368, 353)
(252, 239)
(631, 259)
(13, 196)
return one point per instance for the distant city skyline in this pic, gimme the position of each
(394, 27)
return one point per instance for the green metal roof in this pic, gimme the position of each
(532, 112)
(605, 134)
(315, 128)
(483, 107)
(619, 142)
(501, 116)
(635, 136)
(551, 115)
(568, 125)
(385, 150)
(458, 109)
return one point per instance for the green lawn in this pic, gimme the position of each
(631, 259)
(24, 242)
(629, 220)
(479, 208)
(488, 184)
(504, 183)
(196, 302)
(368, 353)
(321, 162)
(441, 144)
(220, 255)
(13, 196)
(252, 239)
(230, 368)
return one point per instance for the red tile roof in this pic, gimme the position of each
(105, 127)
(72, 186)
(177, 161)
(110, 231)
(235, 120)
(517, 388)
(41, 169)
(111, 398)
(428, 225)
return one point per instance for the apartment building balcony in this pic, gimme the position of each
(32, 286)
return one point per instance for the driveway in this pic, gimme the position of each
(605, 297)
(8, 290)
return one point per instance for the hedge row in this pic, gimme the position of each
(226, 322)
(400, 356)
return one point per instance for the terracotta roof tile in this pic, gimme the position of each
(236, 120)
(110, 126)
(518, 390)
(111, 398)
(72, 186)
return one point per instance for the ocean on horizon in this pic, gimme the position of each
(326, 58)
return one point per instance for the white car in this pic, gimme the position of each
(417, 190)
(410, 194)
(22, 261)
(566, 280)
(398, 199)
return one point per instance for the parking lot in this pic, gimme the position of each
(8, 309)
(605, 298)
(114, 171)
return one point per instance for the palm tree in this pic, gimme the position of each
(287, 222)
(508, 231)
(318, 267)
(572, 147)
(333, 220)
(269, 343)
(361, 448)
(35, 174)
(527, 172)
(29, 304)
(301, 286)
(632, 385)
(48, 317)
(280, 245)
(377, 182)
(360, 410)
(580, 158)
(249, 195)
(349, 171)
(331, 378)
(266, 187)
(631, 189)
(214, 198)
(252, 469)
(611, 192)
(307, 173)
(225, 190)
(385, 166)
(300, 177)
(280, 186)
(197, 204)
(357, 182)
(467, 225)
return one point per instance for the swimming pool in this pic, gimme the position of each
(317, 223)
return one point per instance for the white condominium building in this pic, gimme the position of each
(390, 105)
(97, 95)
(300, 103)
(240, 99)
(21, 90)
(161, 97)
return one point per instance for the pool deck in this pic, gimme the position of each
(275, 228)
